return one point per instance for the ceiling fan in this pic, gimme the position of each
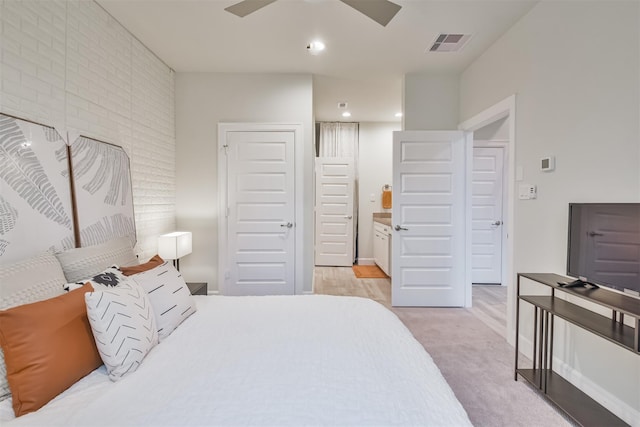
(381, 11)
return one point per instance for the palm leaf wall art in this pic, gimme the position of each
(102, 177)
(35, 197)
(21, 169)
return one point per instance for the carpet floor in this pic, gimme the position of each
(477, 363)
(469, 347)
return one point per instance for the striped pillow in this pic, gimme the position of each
(170, 297)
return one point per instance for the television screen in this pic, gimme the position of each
(604, 244)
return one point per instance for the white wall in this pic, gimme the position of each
(577, 97)
(374, 170)
(430, 101)
(69, 64)
(202, 101)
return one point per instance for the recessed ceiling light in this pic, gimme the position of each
(346, 114)
(398, 114)
(315, 47)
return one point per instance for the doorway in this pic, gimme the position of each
(487, 216)
(334, 224)
(497, 125)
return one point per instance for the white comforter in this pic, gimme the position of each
(305, 360)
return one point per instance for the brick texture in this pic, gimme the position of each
(69, 64)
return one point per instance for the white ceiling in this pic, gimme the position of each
(363, 63)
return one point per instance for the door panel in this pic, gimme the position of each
(334, 211)
(428, 262)
(487, 191)
(260, 192)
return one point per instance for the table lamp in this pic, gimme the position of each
(174, 246)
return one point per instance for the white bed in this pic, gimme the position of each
(303, 360)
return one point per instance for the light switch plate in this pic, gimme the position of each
(527, 192)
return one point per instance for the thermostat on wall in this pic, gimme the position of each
(547, 164)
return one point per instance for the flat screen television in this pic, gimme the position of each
(604, 245)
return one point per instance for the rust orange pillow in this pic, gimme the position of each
(48, 346)
(135, 269)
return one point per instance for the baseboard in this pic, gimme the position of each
(621, 409)
(366, 261)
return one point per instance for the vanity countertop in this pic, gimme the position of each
(382, 218)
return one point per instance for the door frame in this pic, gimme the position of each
(500, 110)
(298, 161)
(504, 144)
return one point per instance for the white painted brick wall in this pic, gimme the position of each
(69, 64)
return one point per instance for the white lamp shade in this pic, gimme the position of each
(174, 245)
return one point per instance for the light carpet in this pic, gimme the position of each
(478, 365)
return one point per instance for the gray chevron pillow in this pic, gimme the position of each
(123, 325)
(169, 295)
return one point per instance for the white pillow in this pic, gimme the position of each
(81, 263)
(123, 326)
(23, 282)
(170, 297)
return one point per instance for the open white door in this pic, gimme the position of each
(429, 218)
(334, 211)
(258, 255)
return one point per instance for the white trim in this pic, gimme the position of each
(504, 108)
(299, 142)
(468, 249)
(366, 261)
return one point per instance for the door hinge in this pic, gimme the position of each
(227, 213)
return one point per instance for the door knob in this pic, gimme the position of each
(348, 216)
(496, 223)
(288, 225)
(398, 228)
(593, 234)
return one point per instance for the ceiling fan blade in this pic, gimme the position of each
(381, 11)
(246, 7)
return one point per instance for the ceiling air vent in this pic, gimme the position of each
(449, 42)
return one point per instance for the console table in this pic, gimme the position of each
(583, 409)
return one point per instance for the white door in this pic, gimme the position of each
(260, 244)
(429, 218)
(334, 211)
(486, 215)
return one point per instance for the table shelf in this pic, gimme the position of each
(584, 410)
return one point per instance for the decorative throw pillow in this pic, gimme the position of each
(48, 346)
(135, 269)
(123, 325)
(169, 295)
(23, 282)
(81, 263)
(106, 279)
